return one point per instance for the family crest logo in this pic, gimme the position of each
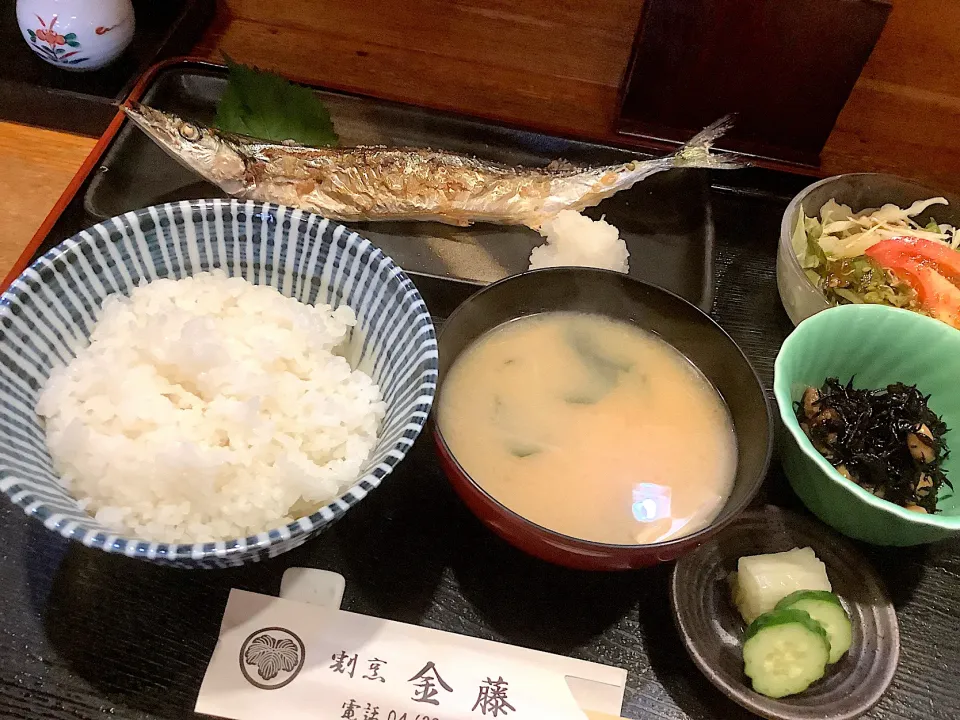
(271, 658)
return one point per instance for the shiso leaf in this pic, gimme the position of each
(264, 105)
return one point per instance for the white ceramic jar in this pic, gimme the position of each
(76, 34)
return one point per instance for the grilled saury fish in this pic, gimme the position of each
(380, 183)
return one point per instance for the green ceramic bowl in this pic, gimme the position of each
(877, 345)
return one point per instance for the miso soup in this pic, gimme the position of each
(590, 427)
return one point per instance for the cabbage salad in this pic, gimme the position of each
(883, 255)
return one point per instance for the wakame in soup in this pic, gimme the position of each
(590, 427)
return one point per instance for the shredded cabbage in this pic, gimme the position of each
(844, 233)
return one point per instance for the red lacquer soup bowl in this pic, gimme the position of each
(673, 319)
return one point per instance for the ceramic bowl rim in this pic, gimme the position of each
(190, 553)
(784, 400)
(695, 537)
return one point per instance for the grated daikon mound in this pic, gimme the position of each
(575, 239)
(209, 408)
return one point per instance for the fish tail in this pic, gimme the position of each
(589, 187)
(696, 152)
(713, 132)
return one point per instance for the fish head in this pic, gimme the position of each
(207, 152)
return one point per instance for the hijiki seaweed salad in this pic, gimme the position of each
(883, 256)
(887, 441)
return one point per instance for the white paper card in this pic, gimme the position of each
(312, 586)
(277, 658)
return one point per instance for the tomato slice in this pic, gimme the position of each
(937, 295)
(945, 258)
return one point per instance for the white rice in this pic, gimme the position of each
(575, 239)
(209, 408)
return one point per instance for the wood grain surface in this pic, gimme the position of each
(546, 64)
(36, 167)
(554, 65)
(557, 66)
(904, 112)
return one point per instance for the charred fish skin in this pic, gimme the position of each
(380, 183)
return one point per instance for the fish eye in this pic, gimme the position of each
(189, 132)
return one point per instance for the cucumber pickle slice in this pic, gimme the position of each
(784, 652)
(826, 609)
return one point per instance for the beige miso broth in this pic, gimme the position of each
(590, 427)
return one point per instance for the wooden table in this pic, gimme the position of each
(35, 167)
(86, 634)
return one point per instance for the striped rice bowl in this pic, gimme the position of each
(221, 418)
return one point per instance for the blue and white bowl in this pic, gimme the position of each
(44, 319)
